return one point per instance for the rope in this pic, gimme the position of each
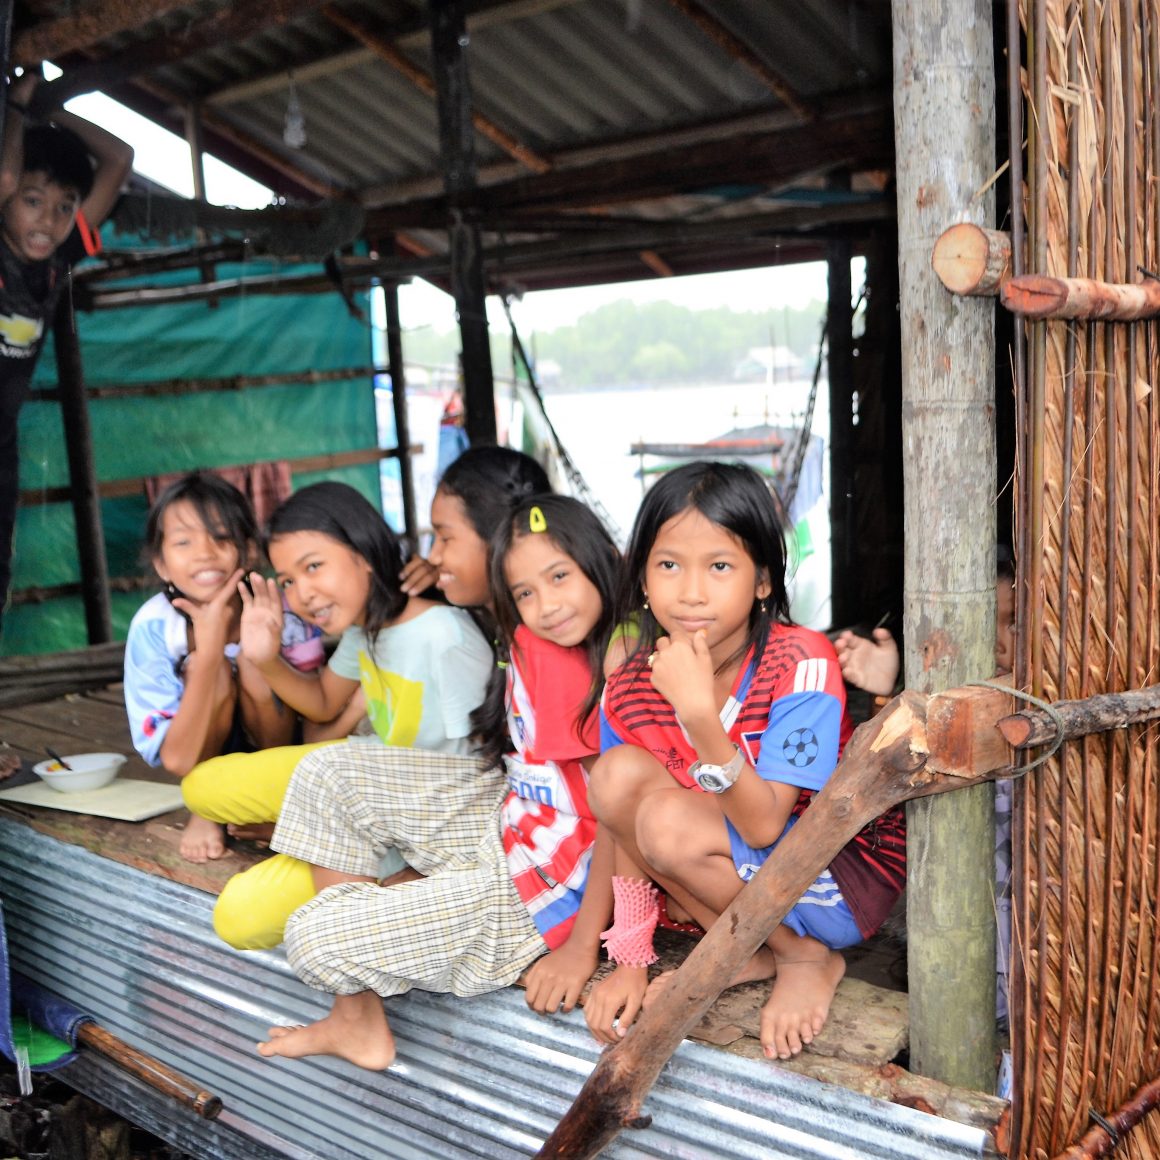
(575, 478)
(1048, 708)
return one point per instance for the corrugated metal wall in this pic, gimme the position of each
(479, 1077)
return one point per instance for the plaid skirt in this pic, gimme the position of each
(461, 929)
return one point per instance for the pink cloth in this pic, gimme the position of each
(265, 485)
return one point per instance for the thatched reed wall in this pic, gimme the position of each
(1086, 987)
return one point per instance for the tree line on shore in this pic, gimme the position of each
(624, 343)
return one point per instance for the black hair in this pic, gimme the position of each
(488, 480)
(578, 533)
(735, 498)
(224, 511)
(61, 156)
(338, 511)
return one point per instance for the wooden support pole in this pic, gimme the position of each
(1032, 726)
(944, 100)
(82, 472)
(888, 760)
(399, 407)
(1038, 296)
(971, 260)
(448, 42)
(840, 347)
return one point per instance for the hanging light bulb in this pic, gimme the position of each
(294, 127)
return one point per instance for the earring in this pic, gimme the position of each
(761, 605)
(646, 604)
(170, 590)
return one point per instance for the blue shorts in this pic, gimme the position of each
(821, 913)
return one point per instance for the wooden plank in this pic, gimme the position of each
(84, 26)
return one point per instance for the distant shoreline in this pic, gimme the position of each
(728, 384)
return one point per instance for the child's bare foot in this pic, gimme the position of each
(799, 1003)
(761, 966)
(202, 840)
(356, 1029)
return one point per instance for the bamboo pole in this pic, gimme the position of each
(84, 489)
(1040, 296)
(399, 406)
(944, 138)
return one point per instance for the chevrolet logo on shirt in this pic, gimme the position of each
(16, 330)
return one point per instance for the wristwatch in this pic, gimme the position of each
(718, 778)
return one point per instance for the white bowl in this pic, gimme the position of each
(89, 771)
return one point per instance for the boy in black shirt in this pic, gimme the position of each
(52, 199)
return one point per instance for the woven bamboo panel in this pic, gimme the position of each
(1086, 994)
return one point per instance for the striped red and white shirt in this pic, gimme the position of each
(548, 829)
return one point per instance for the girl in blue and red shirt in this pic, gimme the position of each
(724, 697)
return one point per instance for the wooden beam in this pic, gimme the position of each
(159, 388)
(741, 52)
(578, 158)
(1099, 714)
(1038, 296)
(656, 263)
(412, 32)
(86, 25)
(231, 25)
(854, 142)
(399, 409)
(83, 488)
(884, 763)
(135, 485)
(971, 260)
(386, 51)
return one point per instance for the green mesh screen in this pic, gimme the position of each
(152, 435)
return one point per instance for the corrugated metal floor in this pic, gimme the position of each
(480, 1077)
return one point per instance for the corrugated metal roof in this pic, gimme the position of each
(475, 1078)
(620, 86)
(558, 77)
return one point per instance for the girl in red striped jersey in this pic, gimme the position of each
(724, 696)
(554, 574)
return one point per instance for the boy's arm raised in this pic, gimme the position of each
(12, 157)
(114, 159)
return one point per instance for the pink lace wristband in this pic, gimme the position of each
(629, 941)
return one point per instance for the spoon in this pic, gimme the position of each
(57, 758)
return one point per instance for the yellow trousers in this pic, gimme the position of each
(245, 789)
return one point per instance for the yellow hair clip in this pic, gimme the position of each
(536, 521)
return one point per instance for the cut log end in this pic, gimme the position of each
(971, 260)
